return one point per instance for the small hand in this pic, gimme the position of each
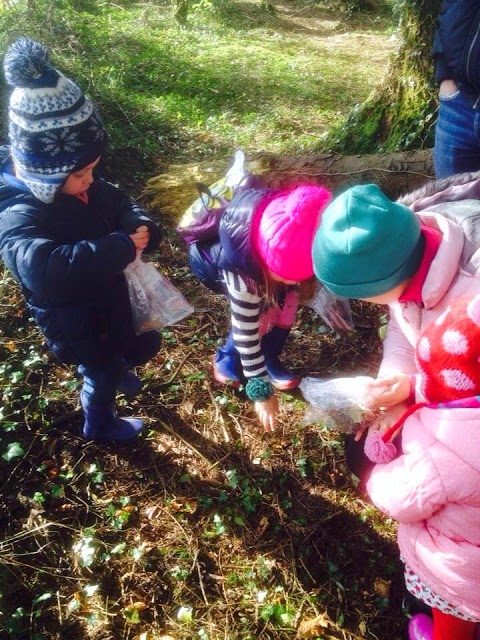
(266, 412)
(140, 237)
(388, 391)
(385, 420)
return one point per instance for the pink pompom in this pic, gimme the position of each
(377, 450)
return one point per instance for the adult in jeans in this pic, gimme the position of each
(456, 54)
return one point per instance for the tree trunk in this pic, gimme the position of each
(395, 173)
(400, 113)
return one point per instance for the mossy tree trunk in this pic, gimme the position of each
(400, 113)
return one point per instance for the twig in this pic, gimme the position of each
(218, 413)
(176, 372)
(60, 620)
(199, 571)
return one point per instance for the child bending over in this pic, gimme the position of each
(260, 260)
(419, 264)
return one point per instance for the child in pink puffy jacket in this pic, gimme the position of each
(433, 487)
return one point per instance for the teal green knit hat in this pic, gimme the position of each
(366, 244)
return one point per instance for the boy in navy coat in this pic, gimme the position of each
(67, 236)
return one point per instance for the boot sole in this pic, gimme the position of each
(285, 386)
(235, 384)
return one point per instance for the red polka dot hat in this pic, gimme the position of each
(448, 361)
(448, 353)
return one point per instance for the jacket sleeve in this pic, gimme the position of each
(398, 353)
(128, 215)
(441, 68)
(245, 318)
(409, 488)
(57, 272)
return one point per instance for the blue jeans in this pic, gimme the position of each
(457, 137)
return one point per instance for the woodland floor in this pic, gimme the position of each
(206, 528)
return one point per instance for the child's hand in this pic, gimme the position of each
(266, 412)
(386, 419)
(140, 238)
(388, 391)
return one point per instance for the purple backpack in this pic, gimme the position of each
(202, 218)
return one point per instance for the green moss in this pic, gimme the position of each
(400, 114)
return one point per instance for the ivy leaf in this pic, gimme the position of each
(14, 450)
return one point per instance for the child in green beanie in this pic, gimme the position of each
(373, 249)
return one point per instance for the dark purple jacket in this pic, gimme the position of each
(235, 234)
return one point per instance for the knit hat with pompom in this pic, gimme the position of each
(448, 354)
(53, 127)
(284, 227)
(448, 361)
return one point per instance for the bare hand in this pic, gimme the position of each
(266, 412)
(385, 420)
(388, 391)
(140, 238)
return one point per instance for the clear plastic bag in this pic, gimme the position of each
(334, 310)
(337, 403)
(156, 303)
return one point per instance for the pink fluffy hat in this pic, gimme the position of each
(448, 361)
(284, 227)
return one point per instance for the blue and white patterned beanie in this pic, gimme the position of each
(53, 127)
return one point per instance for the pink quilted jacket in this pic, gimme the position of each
(433, 491)
(433, 488)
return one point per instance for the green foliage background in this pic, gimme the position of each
(400, 113)
(236, 75)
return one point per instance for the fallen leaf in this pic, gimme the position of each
(262, 525)
(153, 512)
(313, 628)
(188, 407)
(382, 587)
(184, 504)
(164, 447)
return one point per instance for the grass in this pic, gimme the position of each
(236, 76)
(206, 528)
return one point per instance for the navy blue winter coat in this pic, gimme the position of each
(235, 234)
(456, 46)
(69, 257)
